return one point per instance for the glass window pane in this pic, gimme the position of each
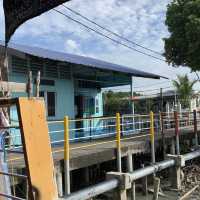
(51, 101)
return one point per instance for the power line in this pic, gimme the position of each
(152, 89)
(112, 32)
(150, 85)
(146, 86)
(138, 91)
(104, 35)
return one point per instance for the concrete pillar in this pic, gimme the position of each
(172, 147)
(59, 179)
(122, 195)
(156, 188)
(176, 178)
(172, 171)
(144, 184)
(86, 176)
(130, 169)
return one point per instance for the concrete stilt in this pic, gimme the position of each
(145, 184)
(124, 185)
(172, 170)
(156, 188)
(59, 180)
(176, 172)
(86, 176)
(130, 169)
(176, 177)
(122, 195)
(172, 147)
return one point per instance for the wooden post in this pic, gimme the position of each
(59, 181)
(118, 139)
(152, 134)
(156, 188)
(162, 133)
(38, 85)
(177, 132)
(130, 169)
(195, 128)
(145, 184)
(66, 156)
(29, 86)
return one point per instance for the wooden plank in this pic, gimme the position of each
(37, 147)
(7, 102)
(13, 86)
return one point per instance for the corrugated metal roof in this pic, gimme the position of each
(80, 60)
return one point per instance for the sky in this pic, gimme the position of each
(141, 21)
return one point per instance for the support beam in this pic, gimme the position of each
(156, 188)
(145, 184)
(130, 170)
(59, 179)
(132, 102)
(195, 128)
(66, 156)
(176, 173)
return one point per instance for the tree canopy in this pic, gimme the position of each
(182, 48)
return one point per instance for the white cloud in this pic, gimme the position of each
(140, 20)
(71, 44)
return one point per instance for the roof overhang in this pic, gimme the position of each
(87, 62)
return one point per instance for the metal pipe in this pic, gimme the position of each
(118, 143)
(14, 175)
(152, 134)
(191, 155)
(10, 196)
(106, 186)
(93, 191)
(137, 174)
(66, 156)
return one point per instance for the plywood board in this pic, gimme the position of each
(37, 147)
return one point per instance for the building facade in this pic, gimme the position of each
(71, 85)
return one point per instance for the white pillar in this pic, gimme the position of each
(132, 102)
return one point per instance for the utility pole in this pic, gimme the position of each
(175, 99)
(132, 103)
(161, 100)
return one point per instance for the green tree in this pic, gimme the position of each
(116, 102)
(184, 88)
(182, 48)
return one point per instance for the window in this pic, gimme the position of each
(50, 101)
(97, 105)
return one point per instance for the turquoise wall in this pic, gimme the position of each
(65, 91)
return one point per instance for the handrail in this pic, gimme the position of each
(13, 174)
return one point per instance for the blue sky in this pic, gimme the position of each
(141, 21)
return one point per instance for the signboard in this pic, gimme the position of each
(18, 11)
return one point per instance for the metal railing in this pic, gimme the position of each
(106, 130)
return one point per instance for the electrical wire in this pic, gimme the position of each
(106, 36)
(112, 32)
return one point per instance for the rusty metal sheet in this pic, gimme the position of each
(37, 147)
